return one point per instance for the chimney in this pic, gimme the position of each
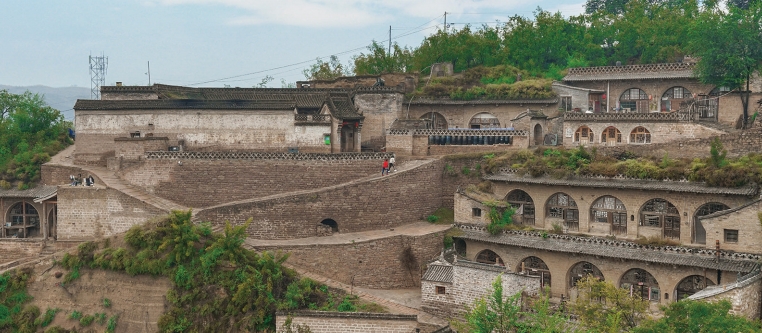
(119, 84)
(618, 64)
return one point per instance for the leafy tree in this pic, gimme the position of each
(729, 46)
(329, 70)
(603, 307)
(378, 61)
(30, 132)
(689, 316)
(495, 313)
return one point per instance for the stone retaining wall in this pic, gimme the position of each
(319, 322)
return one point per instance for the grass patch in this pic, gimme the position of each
(442, 215)
(656, 241)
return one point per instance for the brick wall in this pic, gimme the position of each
(134, 148)
(744, 296)
(350, 322)
(459, 115)
(14, 249)
(370, 264)
(380, 110)
(89, 213)
(737, 144)
(745, 220)
(458, 149)
(654, 88)
(203, 183)
(469, 284)
(661, 132)
(380, 203)
(52, 174)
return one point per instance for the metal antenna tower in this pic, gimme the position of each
(98, 66)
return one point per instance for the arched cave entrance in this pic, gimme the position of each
(489, 257)
(330, 223)
(642, 283)
(538, 135)
(582, 270)
(534, 266)
(691, 285)
(699, 233)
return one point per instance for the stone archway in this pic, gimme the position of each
(660, 213)
(23, 221)
(582, 270)
(534, 266)
(538, 135)
(562, 206)
(640, 282)
(53, 223)
(699, 233)
(610, 210)
(524, 205)
(489, 257)
(437, 120)
(330, 223)
(691, 285)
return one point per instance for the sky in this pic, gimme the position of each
(214, 43)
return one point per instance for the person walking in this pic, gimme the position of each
(385, 167)
(391, 164)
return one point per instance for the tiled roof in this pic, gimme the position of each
(41, 191)
(86, 104)
(342, 108)
(631, 72)
(559, 84)
(477, 265)
(447, 101)
(728, 211)
(438, 271)
(614, 249)
(652, 185)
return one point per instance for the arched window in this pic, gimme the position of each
(489, 257)
(691, 285)
(24, 221)
(611, 136)
(634, 100)
(699, 233)
(583, 135)
(582, 270)
(662, 214)
(562, 206)
(673, 97)
(608, 209)
(484, 120)
(460, 247)
(642, 283)
(437, 120)
(524, 206)
(640, 135)
(330, 223)
(534, 266)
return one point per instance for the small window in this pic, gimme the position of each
(731, 236)
(440, 290)
(476, 212)
(135, 134)
(566, 103)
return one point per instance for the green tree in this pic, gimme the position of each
(689, 316)
(729, 46)
(378, 61)
(495, 313)
(603, 307)
(329, 70)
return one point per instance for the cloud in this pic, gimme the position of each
(570, 9)
(343, 13)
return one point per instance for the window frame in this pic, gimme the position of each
(730, 232)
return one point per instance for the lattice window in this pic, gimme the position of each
(640, 135)
(691, 285)
(484, 120)
(641, 283)
(566, 103)
(583, 133)
(441, 290)
(611, 134)
(489, 257)
(582, 270)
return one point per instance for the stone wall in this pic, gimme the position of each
(208, 182)
(458, 115)
(745, 220)
(470, 282)
(350, 322)
(661, 132)
(454, 176)
(14, 249)
(736, 144)
(380, 111)
(86, 213)
(135, 148)
(744, 295)
(373, 204)
(373, 264)
(687, 205)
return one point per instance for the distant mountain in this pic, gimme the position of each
(62, 99)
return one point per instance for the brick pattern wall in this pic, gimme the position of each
(203, 183)
(59, 175)
(380, 111)
(329, 322)
(744, 220)
(744, 296)
(134, 148)
(458, 149)
(14, 249)
(661, 132)
(737, 144)
(371, 264)
(470, 284)
(381, 203)
(89, 213)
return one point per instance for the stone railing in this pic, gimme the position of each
(471, 132)
(312, 118)
(621, 244)
(632, 116)
(398, 132)
(265, 156)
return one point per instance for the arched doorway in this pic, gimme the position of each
(484, 120)
(436, 120)
(489, 257)
(660, 213)
(538, 135)
(672, 98)
(611, 210)
(331, 224)
(691, 285)
(562, 206)
(53, 223)
(534, 266)
(699, 233)
(584, 135)
(524, 205)
(460, 247)
(634, 100)
(23, 221)
(611, 136)
(640, 135)
(582, 270)
(641, 283)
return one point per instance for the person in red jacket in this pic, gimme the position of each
(385, 167)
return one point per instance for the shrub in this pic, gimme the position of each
(432, 218)
(76, 315)
(106, 303)
(86, 320)
(346, 306)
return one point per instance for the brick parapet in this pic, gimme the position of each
(219, 155)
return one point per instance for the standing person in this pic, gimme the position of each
(385, 167)
(92, 180)
(391, 164)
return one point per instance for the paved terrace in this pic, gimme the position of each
(670, 255)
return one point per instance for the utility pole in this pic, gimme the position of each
(390, 41)
(149, 73)
(445, 23)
